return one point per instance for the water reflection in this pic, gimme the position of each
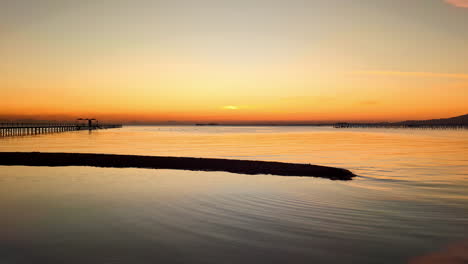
(92, 215)
(456, 253)
(409, 201)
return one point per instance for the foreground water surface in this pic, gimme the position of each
(409, 200)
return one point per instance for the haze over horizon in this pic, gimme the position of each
(234, 61)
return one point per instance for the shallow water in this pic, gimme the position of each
(409, 200)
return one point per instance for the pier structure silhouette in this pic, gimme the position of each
(24, 129)
(391, 125)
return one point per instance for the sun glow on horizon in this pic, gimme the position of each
(230, 107)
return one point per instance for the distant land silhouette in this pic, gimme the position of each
(452, 122)
(458, 120)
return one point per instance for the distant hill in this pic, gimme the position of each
(458, 120)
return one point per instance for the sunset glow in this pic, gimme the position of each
(226, 61)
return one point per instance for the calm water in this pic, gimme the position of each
(410, 199)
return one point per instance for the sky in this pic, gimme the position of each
(233, 61)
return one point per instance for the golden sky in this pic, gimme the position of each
(256, 60)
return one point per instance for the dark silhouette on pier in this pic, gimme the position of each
(178, 163)
(90, 121)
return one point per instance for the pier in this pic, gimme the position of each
(24, 129)
(396, 125)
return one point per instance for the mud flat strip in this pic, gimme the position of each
(177, 163)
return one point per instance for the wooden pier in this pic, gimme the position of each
(24, 129)
(392, 125)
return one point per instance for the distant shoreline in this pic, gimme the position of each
(336, 125)
(179, 163)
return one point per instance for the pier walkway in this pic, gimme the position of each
(23, 129)
(396, 125)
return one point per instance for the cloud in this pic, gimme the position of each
(415, 74)
(458, 3)
(308, 99)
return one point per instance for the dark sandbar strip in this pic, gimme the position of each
(177, 163)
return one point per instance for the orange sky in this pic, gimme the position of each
(234, 61)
